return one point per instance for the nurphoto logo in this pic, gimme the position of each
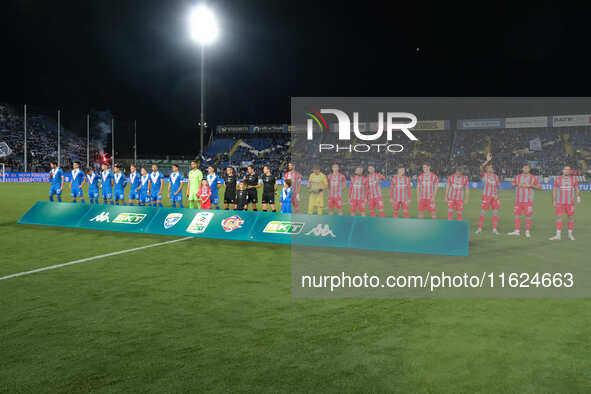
(389, 125)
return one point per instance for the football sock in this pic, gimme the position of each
(51, 198)
(558, 225)
(517, 223)
(160, 205)
(381, 213)
(181, 204)
(405, 213)
(82, 201)
(395, 214)
(450, 214)
(59, 198)
(528, 223)
(460, 215)
(571, 224)
(174, 204)
(191, 204)
(480, 221)
(73, 201)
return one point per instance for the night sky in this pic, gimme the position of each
(136, 58)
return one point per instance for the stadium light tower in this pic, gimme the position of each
(204, 31)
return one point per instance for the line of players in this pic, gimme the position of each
(146, 189)
(364, 191)
(365, 194)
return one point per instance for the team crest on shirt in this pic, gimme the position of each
(232, 223)
(172, 219)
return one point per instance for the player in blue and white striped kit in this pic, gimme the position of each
(56, 176)
(286, 197)
(175, 186)
(156, 180)
(77, 182)
(144, 192)
(214, 184)
(93, 186)
(119, 182)
(134, 186)
(107, 184)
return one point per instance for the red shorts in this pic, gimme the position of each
(335, 202)
(523, 208)
(569, 209)
(400, 204)
(455, 205)
(426, 205)
(490, 203)
(357, 205)
(376, 203)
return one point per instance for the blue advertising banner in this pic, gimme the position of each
(395, 235)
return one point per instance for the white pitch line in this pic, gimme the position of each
(52, 267)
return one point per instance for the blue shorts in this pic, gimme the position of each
(133, 196)
(77, 193)
(156, 197)
(54, 190)
(119, 196)
(93, 195)
(145, 199)
(107, 195)
(177, 198)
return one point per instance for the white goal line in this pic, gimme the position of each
(52, 267)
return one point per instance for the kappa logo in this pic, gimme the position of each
(129, 218)
(321, 230)
(102, 217)
(172, 219)
(281, 227)
(232, 223)
(200, 222)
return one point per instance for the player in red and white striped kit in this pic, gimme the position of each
(336, 184)
(427, 186)
(357, 192)
(457, 193)
(400, 192)
(565, 193)
(373, 182)
(490, 195)
(296, 184)
(525, 184)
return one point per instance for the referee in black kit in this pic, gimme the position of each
(252, 184)
(269, 189)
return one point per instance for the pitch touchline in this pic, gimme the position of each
(51, 267)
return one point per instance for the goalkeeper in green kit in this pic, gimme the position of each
(195, 177)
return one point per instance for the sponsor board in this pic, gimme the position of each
(129, 218)
(283, 227)
(526, 122)
(172, 219)
(571, 120)
(232, 223)
(471, 124)
(200, 222)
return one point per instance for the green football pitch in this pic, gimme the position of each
(206, 315)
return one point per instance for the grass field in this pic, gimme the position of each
(216, 316)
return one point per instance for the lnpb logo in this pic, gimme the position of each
(283, 227)
(200, 222)
(171, 220)
(101, 217)
(232, 223)
(129, 218)
(390, 124)
(321, 230)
